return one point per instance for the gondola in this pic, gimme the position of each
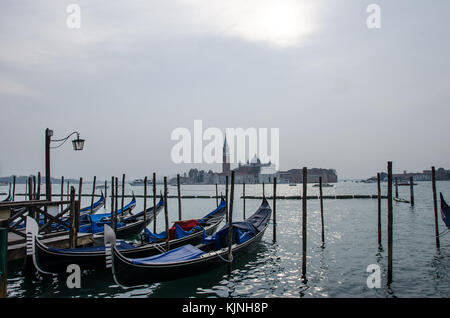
(325, 185)
(52, 260)
(445, 212)
(95, 207)
(126, 226)
(8, 198)
(126, 209)
(187, 259)
(93, 223)
(401, 200)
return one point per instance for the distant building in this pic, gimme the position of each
(417, 176)
(425, 175)
(254, 171)
(441, 174)
(313, 175)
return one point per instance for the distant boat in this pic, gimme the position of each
(102, 186)
(368, 181)
(324, 185)
(401, 200)
(139, 182)
(292, 184)
(405, 184)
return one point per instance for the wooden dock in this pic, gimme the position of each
(17, 244)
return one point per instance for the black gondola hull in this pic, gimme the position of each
(56, 261)
(129, 274)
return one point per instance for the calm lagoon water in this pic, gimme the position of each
(274, 269)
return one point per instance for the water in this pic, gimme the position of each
(274, 270)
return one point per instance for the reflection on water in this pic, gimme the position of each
(274, 269)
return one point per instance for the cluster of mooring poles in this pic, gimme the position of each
(72, 205)
(390, 218)
(390, 215)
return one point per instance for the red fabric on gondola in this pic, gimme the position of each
(185, 225)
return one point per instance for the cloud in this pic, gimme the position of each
(8, 87)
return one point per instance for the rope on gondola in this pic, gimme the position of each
(225, 260)
(160, 248)
(444, 233)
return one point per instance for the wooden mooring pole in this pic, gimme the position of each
(274, 210)
(123, 193)
(3, 260)
(106, 194)
(93, 193)
(226, 199)
(179, 197)
(38, 196)
(379, 209)
(116, 203)
(62, 193)
(166, 214)
(72, 236)
(145, 200)
(30, 196)
(436, 226)
(217, 196)
(390, 220)
(304, 228)
(321, 211)
(411, 190)
(78, 208)
(154, 202)
(80, 190)
(14, 188)
(113, 218)
(34, 188)
(230, 225)
(243, 198)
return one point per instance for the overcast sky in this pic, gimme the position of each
(343, 96)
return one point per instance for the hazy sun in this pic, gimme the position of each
(281, 23)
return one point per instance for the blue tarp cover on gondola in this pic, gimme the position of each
(242, 231)
(154, 237)
(180, 233)
(97, 226)
(183, 253)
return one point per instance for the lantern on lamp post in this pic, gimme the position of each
(78, 144)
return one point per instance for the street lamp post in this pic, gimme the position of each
(77, 143)
(48, 185)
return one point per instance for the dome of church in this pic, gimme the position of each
(255, 160)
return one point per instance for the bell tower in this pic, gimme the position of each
(226, 158)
